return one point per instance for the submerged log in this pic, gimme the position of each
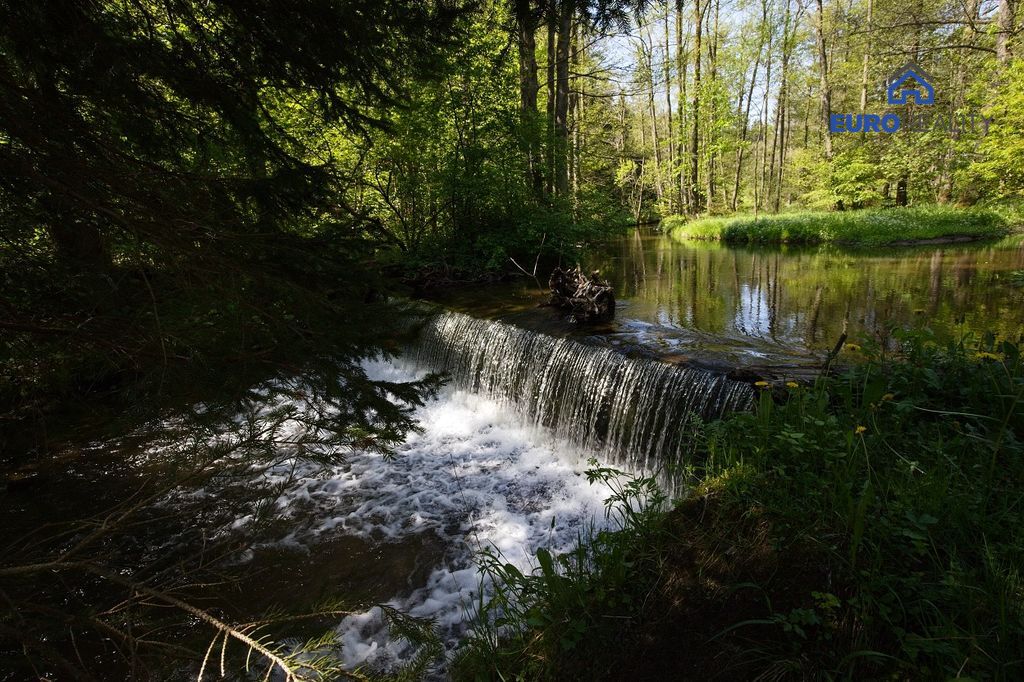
(590, 299)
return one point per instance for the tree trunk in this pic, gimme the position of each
(764, 123)
(681, 64)
(647, 55)
(783, 102)
(711, 133)
(643, 161)
(563, 43)
(826, 90)
(746, 112)
(526, 24)
(864, 66)
(1005, 20)
(552, 25)
(579, 96)
(695, 198)
(668, 102)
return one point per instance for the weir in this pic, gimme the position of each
(632, 411)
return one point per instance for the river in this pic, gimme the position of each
(533, 395)
(704, 302)
(500, 458)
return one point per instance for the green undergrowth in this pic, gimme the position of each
(873, 227)
(869, 526)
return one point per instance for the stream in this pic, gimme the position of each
(500, 458)
(774, 309)
(533, 396)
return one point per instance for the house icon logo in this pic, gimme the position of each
(909, 82)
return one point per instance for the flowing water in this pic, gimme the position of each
(500, 458)
(499, 461)
(634, 411)
(476, 477)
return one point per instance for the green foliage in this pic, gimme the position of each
(555, 621)
(169, 193)
(875, 227)
(449, 184)
(907, 475)
(763, 148)
(998, 171)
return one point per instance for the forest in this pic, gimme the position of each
(284, 394)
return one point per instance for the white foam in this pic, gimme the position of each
(474, 477)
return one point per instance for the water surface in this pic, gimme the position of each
(708, 303)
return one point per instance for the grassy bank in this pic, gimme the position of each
(875, 227)
(870, 526)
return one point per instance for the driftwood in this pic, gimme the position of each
(590, 299)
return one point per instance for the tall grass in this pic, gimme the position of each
(908, 475)
(874, 227)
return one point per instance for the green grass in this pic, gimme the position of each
(907, 476)
(886, 505)
(874, 227)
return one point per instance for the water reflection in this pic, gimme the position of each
(800, 298)
(707, 303)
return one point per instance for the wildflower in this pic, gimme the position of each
(792, 384)
(861, 429)
(761, 384)
(888, 396)
(852, 346)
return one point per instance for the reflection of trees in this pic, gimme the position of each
(811, 334)
(934, 282)
(802, 296)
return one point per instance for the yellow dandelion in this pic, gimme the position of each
(888, 396)
(861, 429)
(852, 346)
(792, 384)
(761, 384)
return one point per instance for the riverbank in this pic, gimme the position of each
(865, 527)
(872, 227)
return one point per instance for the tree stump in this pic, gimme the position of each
(590, 299)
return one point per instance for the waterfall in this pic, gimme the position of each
(632, 411)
